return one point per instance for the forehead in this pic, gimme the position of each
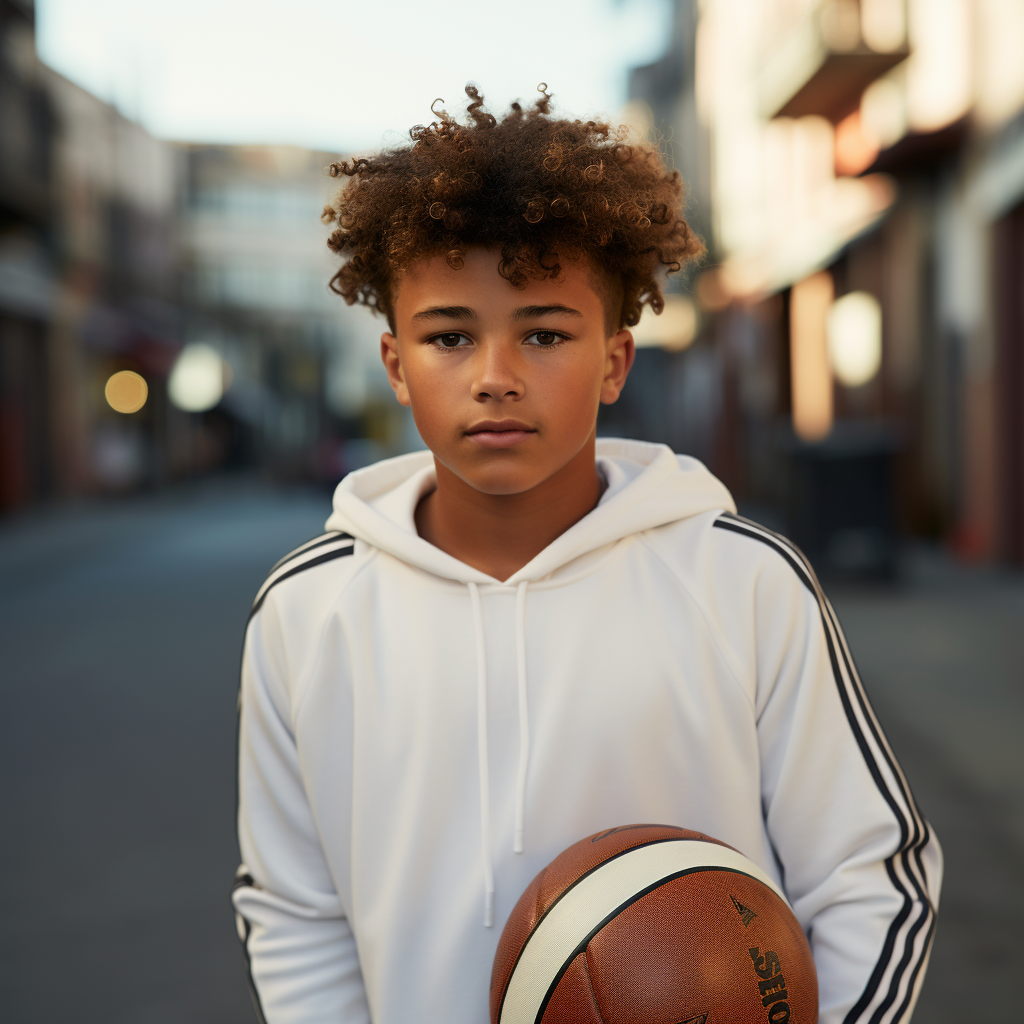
(477, 284)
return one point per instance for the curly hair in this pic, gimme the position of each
(539, 188)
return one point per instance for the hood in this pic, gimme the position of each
(648, 486)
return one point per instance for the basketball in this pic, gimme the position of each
(652, 924)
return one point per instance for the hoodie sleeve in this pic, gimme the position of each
(861, 865)
(299, 948)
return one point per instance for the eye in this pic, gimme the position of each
(545, 339)
(450, 341)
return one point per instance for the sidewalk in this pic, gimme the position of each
(941, 657)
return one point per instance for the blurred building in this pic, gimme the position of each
(27, 273)
(164, 308)
(87, 281)
(307, 395)
(114, 195)
(861, 346)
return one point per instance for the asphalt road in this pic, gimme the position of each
(941, 657)
(120, 632)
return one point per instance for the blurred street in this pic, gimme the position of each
(120, 629)
(941, 658)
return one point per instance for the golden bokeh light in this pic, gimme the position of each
(811, 373)
(126, 391)
(673, 330)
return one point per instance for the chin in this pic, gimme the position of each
(503, 480)
(502, 486)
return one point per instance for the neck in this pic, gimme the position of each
(500, 533)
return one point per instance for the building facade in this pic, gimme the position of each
(862, 300)
(308, 394)
(134, 262)
(88, 282)
(27, 273)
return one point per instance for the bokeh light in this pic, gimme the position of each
(811, 378)
(126, 391)
(673, 330)
(855, 338)
(198, 379)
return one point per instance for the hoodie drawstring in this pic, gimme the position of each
(524, 719)
(481, 742)
(481, 726)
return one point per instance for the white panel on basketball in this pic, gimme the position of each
(583, 907)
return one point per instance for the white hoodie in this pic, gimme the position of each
(418, 740)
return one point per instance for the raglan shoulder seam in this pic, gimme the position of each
(300, 696)
(712, 632)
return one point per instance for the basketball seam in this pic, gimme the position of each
(582, 945)
(590, 985)
(568, 889)
(911, 841)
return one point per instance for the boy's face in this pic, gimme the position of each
(504, 383)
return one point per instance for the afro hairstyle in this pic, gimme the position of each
(538, 188)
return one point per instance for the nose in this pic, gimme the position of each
(497, 374)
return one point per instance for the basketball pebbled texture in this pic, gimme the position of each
(711, 945)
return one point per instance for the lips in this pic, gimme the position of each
(499, 433)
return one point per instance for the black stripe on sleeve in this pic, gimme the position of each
(909, 851)
(294, 562)
(243, 880)
(253, 994)
(299, 566)
(914, 833)
(921, 960)
(738, 526)
(316, 542)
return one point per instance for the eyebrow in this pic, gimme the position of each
(445, 313)
(465, 313)
(532, 312)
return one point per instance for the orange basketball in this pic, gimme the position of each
(652, 924)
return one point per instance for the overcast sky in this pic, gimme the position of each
(337, 74)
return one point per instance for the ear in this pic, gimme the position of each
(619, 360)
(393, 366)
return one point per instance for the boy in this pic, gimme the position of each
(524, 636)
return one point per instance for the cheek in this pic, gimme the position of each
(574, 386)
(435, 391)
(428, 378)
